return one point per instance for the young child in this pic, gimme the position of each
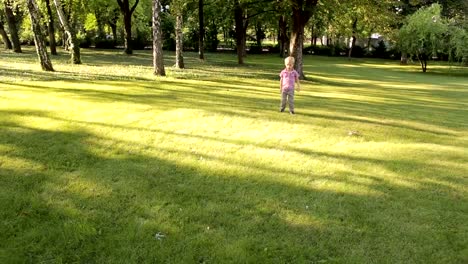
(289, 77)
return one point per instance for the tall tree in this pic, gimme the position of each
(70, 32)
(179, 7)
(10, 17)
(282, 35)
(158, 60)
(241, 23)
(201, 33)
(39, 42)
(51, 29)
(127, 12)
(4, 35)
(424, 34)
(302, 10)
(179, 42)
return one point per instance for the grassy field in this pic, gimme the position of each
(106, 163)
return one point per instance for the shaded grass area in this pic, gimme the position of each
(104, 162)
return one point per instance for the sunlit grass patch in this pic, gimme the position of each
(104, 162)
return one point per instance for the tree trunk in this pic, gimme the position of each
(201, 33)
(39, 42)
(259, 33)
(241, 31)
(70, 32)
(179, 43)
(369, 43)
(113, 25)
(127, 15)
(5, 38)
(296, 46)
(353, 38)
(158, 61)
(423, 61)
(282, 36)
(12, 27)
(100, 25)
(51, 30)
(404, 58)
(312, 29)
(301, 16)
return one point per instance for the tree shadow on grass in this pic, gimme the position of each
(77, 205)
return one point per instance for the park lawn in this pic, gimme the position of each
(105, 163)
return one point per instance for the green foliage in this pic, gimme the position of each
(380, 51)
(458, 45)
(424, 32)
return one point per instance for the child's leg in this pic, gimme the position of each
(284, 99)
(291, 101)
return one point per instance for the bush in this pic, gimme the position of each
(255, 49)
(318, 50)
(357, 52)
(380, 51)
(102, 43)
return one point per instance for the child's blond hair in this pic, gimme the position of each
(289, 60)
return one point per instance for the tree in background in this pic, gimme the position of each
(424, 34)
(70, 32)
(458, 44)
(3, 33)
(178, 8)
(302, 11)
(127, 12)
(51, 29)
(39, 42)
(11, 20)
(158, 61)
(201, 32)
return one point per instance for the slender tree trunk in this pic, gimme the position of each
(296, 46)
(369, 43)
(70, 32)
(39, 42)
(201, 35)
(353, 38)
(11, 20)
(259, 33)
(128, 34)
(158, 61)
(312, 29)
(302, 11)
(100, 25)
(113, 25)
(404, 58)
(179, 43)
(241, 23)
(282, 36)
(127, 15)
(423, 61)
(5, 38)
(51, 29)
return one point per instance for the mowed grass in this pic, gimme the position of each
(105, 163)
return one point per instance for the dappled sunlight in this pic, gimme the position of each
(9, 160)
(305, 219)
(74, 183)
(201, 161)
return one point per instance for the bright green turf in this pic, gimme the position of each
(98, 159)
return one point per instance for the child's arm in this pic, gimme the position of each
(298, 85)
(281, 83)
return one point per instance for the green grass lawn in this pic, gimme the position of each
(105, 163)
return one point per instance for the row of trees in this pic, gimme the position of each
(420, 28)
